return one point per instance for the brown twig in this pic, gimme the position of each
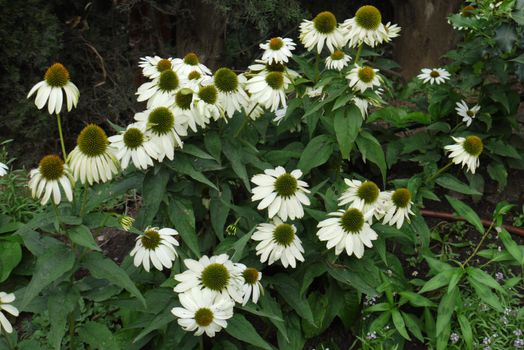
(485, 223)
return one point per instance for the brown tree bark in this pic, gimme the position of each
(425, 35)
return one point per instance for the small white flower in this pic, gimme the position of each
(49, 90)
(134, 144)
(203, 311)
(153, 66)
(262, 67)
(254, 109)
(190, 63)
(433, 76)
(269, 89)
(277, 50)
(365, 196)
(3, 169)
(363, 78)
(466, 151)
(347, 229)
(322, 30)
(207, 105)
(279, 115)
(397, 207)
(5, 305)
(185, 108)
(362, 104)
(312, 93)
(231, 94)
(281, 192)
(161, 90)
(92, 160)
(338, 60)
(156, 246)
(217, 274)
(47, 179)
(392, 31)
(278, 241)
(251, 287)
(366, 27)
(467, 113)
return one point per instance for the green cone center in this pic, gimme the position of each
(215, 277)
(92, 140)
(57, 75)
(51, 167)
(226, 80)
(401, 197)
(208, 94)
(151, 239)
(168, 80)
(191, 59)
(203, 317)
(275, 67)
(352, 221)
(276, 44)
(286, 185)
(250, 275)
(368, 17)
(368, 191)
(325, 22)
(161, 120)
(275, 80)
(473, 145)
(133, 138)
(184, 98)
(163, 65)
(337, 55)
(366, 74)
(194, 75)
(284, 234)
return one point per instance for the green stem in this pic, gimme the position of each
(440, 171)
(359, 52)
(84, 201)
(456, 127)
(317, 64)
(201, 342)
(479, 245)
(246, 120)
(61, 136)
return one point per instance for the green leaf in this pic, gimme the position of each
(60, 304)
(511, 246)
(195, 151)
(502, 149)
(240, 245)
(485, 294)
(104, 268)
(218, 211)
(445, 310)
(311, 272)
(398, 321)
(183, 165)
(484, 278)
(98, 336)
(182, 217)
(213, 144)
(466, 212)
(296, 339)
(347, 124)
(158, 322)
(153, 191)
(467, 333)
(413, 324)
(456, 277)
(81, 235)
(240, 328)
(10, 257)
(232, 153)
(498, 172)
(289, 289)
(438, 281)
(416, 299)
(316, 153)
(56, 261)
(452, 183)
(271, 307)
(371, 150)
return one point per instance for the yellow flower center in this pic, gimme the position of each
(191, 59)
(366, 74)
(368, 17)
(401, 197)
(286, 185)
(161, 120)
(337, 55)
(368, 191)
(133, 138)
(57, 75)
(204, 317)
(434, 74)
(163, 65)
(325, 22)
(215, 277)
(151, 239)
(92, 140)
(284, 234)
(276, 44)
(194, 75)
(473, 145)
(51, 167)
(352, 221)
(208, 94)
(467, 11)
(250, 275)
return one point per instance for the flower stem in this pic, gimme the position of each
(246, 119)
(456, 127)
(359, 52)
(64, 154)
(479, 245)
(440, 171)
(84, 201)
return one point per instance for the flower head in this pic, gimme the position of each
(363, 78)
(230, 87)
(156, 246)
(3, 169)
(366, 27)
(190, 63)
(51, 90)
(277, 50)
(467, 114)
(397, 207)
(278, 241)
(337, 60)
(152, 67)
(281, 192)
(134, 144)
(161, 90)
(365, 196)
(322, 30)
(203, 311)
(46, 180)
(434, 76)
(251, 287)
(269, 89)
(466, 151)
(5, 305)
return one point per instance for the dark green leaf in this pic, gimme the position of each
(153, 191)
(98, 336)
(398, 321)
(347, 124)
(316, 153)
(371, 150)
(240, 328)
(466, 212)
(182, 218)
(10, 257)
(81, 235)
(452, 183)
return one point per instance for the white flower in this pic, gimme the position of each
(322, 30)
(185, 108)
(312, 92)
(47, 179)
(207, 105)
(134, 144)
(362, 104)
(92, 160)
(190, 63)
(337, 60)
(280, 114)
(262, 67)
(281, 192)
(269, 89)
(155, 245)
(165, 129)
(231, 94)
(397, 207)
(5, 301)
(467, 113)
(466, 151)
(278, 241)
(347, 229)
(254, 109)
(161, 91)
(277, 50)
(363, 78)
(251, 287)
(153, 66)
(217, 274)
(495, 4)
(392, 31)
(434, 76)
(3, 169)
(365, 27)
(203, 311)
(195, 80)
(365, 196)
(56, 79)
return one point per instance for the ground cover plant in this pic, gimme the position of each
(281, 207)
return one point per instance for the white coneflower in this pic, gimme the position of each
(46, 180)
(207, 105)
(5, 305)
(261, 67)
(217, 274)
(195, 80)
(365, 196)
(251, 287)
(277, 50)
(338, 60)
(156, 246)
(231, 94)
(392, 31)
(397, 207)
(190, 63)
(363, 78)
(466, 151)
(136, 145)
(281, 192)
(278, 241)
(152, 67)
(161, 91)
(203, 311)
(362, 104)
(185, 108)
(254, 109)
(92, 160)
(49, 90)
(322, 30)
(467, 113)
(365, 27)
(433, 76)
(3, 169)
(347, 229)
(165, 128)
(269, 89)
